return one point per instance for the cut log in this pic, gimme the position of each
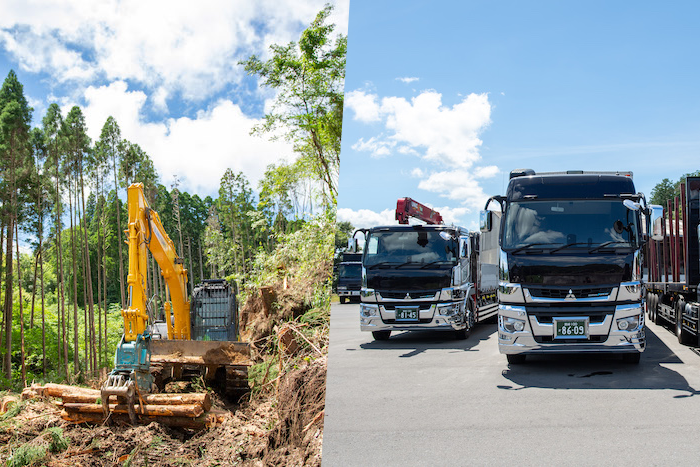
(201, 398)
(188, 410)
(57, 390)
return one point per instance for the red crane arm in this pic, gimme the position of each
(406, 207)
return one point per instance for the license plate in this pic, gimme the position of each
(570, 328)
(407, 314)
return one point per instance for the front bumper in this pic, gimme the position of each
(436, 317)
(537, 337)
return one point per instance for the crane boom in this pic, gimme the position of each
(146, 231)
(407, 207)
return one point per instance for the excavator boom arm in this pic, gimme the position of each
(146, 232)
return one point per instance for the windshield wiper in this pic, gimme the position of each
(404, 264)
(603, 245)
(567, 246)
(512, 252)
(436, 262)
(382, 263)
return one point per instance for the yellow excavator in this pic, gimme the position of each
(201, 335)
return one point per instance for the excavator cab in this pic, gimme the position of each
(214, 311)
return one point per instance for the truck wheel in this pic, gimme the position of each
(516, 359)
(631, 358)
(381, 335)
(462, 334)
(657, 318)
(342, 300)
(682, 334)
(651, 307)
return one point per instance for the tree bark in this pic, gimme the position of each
(21, 311)
(88, 275)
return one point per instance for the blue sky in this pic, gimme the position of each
(443, 99)
(167, 70)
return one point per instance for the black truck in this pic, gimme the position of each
(570, 265)
(349, 277)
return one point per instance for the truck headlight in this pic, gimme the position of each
(631, 323)
(448, 310)
(510, 324)
(367, 311)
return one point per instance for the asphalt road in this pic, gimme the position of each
(427, 399)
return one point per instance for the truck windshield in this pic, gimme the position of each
(561, 225)
(350, 270)
(409, 247)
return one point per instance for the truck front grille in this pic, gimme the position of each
(412, 295)
(562, 292)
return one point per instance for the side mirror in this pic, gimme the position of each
(464, 247)
(485, 220)
(657, 218)
(631, 205)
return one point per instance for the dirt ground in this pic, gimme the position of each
(267, 431)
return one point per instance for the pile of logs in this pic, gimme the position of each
(84, 405)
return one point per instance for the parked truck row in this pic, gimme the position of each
(561, 264)
(674, 264)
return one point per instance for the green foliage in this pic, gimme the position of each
(58, 442)
(305, 255)
(662, 192)
(262, 373)
(309, 79)
(13, 411)
(343, 231)
(27, 454)
(667, 190)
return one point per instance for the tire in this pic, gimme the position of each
(682, 335)
(651, 307)
(342, 300)
(381, 335)
(631, 358)
(462, 334)
(516, 359)
(657, 318)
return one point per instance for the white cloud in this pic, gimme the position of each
(459, 185)
(190, 50)
(446, 135)
(365, 218)
(375, 146)
(418, 173)
(452, 215)
(198, 150)
(442, 136)
(364, 105)
(407, 80)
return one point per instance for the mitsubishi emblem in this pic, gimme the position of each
(570, 295)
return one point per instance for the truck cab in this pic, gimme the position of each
(349, 277)
(570, 266)
(424, 277)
